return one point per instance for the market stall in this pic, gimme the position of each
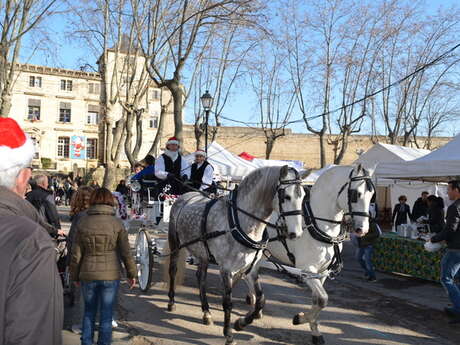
(397, 254)
(403, 255)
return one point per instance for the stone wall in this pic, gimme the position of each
(295, 146)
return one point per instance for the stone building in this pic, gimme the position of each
(61, 110)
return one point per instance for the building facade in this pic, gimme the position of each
(61, 110)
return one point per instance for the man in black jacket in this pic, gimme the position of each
(43, 201)
(171, 168)
(450, 263)
(420, 207)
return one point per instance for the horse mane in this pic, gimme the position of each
(263, 182)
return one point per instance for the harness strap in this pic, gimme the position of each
(207, 237)
(238, 234)
(204, 221)
(336, 264)
(315, 231)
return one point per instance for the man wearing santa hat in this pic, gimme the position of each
(31, 303)
(171, 167)
(202, 172)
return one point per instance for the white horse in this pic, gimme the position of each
(230, 230)
(340, 192)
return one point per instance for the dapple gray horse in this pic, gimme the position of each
(340, 192)
(231, 231)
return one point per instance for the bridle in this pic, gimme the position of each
(281, 227)
(336, 264)
(352, 194)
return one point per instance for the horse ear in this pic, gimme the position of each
(359, 168)
(304, 173)
(284, 171)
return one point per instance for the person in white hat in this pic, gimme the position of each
(172, 168)
(202, 172)
(31, 302)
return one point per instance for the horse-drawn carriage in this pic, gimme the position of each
(268, 211)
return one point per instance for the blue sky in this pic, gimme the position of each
(68, 53)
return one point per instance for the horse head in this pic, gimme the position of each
(288, 203)
(355, 196)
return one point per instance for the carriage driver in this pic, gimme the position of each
(202, 173)
(171, 167)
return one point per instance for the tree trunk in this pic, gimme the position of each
(110, 176)
(156, 142)
(178, 101)
(269, 144)
(322, 148)
(5, 102)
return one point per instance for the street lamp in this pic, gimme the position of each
(206, 102)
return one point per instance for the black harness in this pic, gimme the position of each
(235, 228)
(336, 263)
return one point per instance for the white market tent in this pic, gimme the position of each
(232, 167)
(441, 165)
(225, 163)
(389, 153)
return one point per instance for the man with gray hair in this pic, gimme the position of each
(31, 302)
(43, 201)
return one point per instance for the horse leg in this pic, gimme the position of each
(253, 280)
(227, 304)
(319, 302)
(201, 275)
(172, 270)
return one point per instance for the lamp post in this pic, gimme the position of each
(206, 102)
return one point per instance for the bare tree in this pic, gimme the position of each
(177, 32)
(18, 18)
(219, 70)
(274, 95)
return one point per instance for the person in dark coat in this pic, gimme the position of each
(171, 168)
(366, 243)
(202, 173)
(435, 213)
(101, 241)
(31, 297)
(401, 212)
(450, 262)
(420, 208)
(42, 199)
(122, 188)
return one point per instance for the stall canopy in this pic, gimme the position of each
(229, 165)
(389, 153)
(441, 165)
(225, 163)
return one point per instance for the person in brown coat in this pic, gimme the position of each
(31, 299)
(100, 241)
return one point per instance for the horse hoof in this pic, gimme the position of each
(317, 340)
(207, 320)
(238, 326)
(230, 342)
(296, 320)
(171, 307)
(248, 300)
(258, 315)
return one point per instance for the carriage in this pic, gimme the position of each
(150, 208)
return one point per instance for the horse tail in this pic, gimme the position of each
(173, 267)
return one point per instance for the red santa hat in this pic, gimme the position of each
(200, 153)
(172, 140)
(16, 148)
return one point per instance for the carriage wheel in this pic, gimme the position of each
(144, 259)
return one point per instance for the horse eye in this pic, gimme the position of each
(287, 197)
(359, 195)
